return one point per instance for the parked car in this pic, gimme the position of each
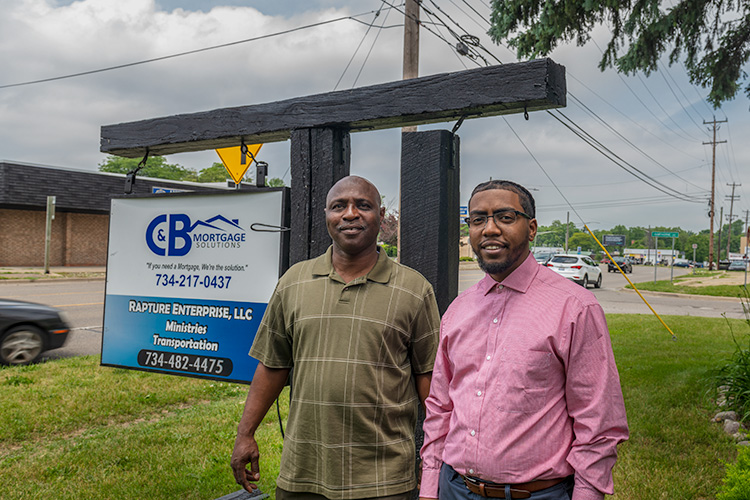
(682, 263)
(542, 258)
(27, 330)
(723, 265)
(737, 265)
(579, 268)
(623, 262)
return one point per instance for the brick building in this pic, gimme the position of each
(81, 225)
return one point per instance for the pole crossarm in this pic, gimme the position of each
(488, 91)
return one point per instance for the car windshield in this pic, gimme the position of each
(619, 260)
(564, 259)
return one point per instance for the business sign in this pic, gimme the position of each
(664, 234)
(188, 280)
(614, 240)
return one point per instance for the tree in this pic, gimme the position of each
(215, 173)
(389, 229)
(714, 35)
(156, 166)
(275, 182)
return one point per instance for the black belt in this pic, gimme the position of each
(495, 490)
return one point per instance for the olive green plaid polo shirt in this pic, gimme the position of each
(354, 348)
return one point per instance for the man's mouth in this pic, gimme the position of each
(491, 246)
(351, 229)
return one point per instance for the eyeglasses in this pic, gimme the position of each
(501, 218)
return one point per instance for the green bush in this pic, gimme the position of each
(466, 259)
(737, 480)
(390, 250)
(733, 379)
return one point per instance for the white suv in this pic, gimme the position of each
(579, 268)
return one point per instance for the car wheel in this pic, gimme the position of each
(21, 345)
(585, 283)
(598, 283)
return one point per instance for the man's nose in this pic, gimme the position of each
(491, 227)
(351, 212)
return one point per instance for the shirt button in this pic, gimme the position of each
(471, 471)
(472, 433)
(494, 320)
(488, 358)
(479, 393)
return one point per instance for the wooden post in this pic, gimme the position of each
(430, 220)
(319, 158)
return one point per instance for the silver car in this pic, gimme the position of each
(579, 268)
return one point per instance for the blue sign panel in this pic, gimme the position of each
(188, 282)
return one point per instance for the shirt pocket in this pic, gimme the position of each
(522, 382)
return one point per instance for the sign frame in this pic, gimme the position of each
(193, 326)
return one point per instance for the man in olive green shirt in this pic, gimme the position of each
(361, 333)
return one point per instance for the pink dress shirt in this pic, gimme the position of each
(525, 386)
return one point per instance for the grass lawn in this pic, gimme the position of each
(74, 430)
(702, 279)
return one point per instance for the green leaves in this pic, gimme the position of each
(713, 36)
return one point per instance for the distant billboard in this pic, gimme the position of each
(614, 240)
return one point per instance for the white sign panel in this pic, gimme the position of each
(188, 280)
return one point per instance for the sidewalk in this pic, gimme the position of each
(55, 273)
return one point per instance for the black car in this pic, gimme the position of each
(624, 264)
(27, 330)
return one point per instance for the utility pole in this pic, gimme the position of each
(718, 252)
(731, 207)
(411, 45)
(410, 70)
(713, 188)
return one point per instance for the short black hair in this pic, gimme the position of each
(527, 200)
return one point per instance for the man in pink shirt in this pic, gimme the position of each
(525, 400)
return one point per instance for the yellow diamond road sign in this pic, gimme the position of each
(235, 162)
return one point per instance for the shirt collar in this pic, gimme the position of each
(519, 280)
(380, 273)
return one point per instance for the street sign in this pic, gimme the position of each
(695, 245)
(664, 234)
(235, 162)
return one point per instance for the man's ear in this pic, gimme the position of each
(532, 229)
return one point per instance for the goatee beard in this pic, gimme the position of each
(492, 267)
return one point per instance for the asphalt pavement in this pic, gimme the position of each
(79, 292)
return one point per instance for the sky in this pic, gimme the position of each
(655, 124)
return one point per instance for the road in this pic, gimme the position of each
(83, 302)
(614, 299)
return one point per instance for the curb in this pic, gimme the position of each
(681, 295)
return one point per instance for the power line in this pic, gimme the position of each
(587, 137)
(607, 153)
(189, 52)
(624, 115)
(604, 122)
(369, 27)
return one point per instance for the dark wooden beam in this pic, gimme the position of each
(488, 91)
(429, 209)
(319, 158)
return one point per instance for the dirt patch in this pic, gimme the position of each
(721, 278)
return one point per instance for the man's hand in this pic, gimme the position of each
(246, 452)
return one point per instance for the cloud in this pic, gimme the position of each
(58, 123)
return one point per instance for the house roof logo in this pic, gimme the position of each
(174, 235)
